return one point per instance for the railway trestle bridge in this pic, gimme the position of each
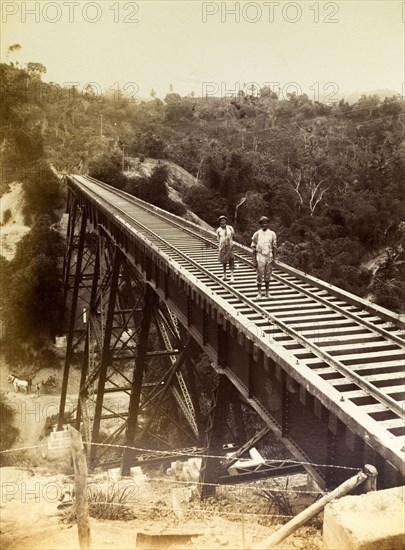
(322, 368)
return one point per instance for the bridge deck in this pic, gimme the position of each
(345, 351)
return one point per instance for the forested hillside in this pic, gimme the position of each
(31, 296)
(329, 176)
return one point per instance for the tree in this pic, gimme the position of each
(34, 304)
(172, 98)
(178, 110)
(43, 193)
(11, 50)
(109, 170)
(309, 188)
(14, 48)
(36, 69)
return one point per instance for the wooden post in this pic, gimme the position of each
(211, 467)
(81, 504)
(299, 520)
(371, 482)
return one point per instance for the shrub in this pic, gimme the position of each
(278, 500)
(109, 170)
(206, 203)
(110, 503)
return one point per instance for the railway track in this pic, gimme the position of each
(352, 346)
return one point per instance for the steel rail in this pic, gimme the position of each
(325, 356)
(346, 313)
(339, 309)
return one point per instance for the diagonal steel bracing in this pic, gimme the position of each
(121, 314)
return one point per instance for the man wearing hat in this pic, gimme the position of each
(264, 245)
(225, 234)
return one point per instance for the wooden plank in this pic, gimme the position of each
(288, 302)
(393, 423)
(347, 296)
(348, 350)
(305, 312)
(329, 345)
(345, 325)
(371, 378)
(331, 329)
(338, 339)
(393, 365)
(388, 390)
(275, 301)
(377, 347)
(352, 359)
(327, 316)
(374, 408)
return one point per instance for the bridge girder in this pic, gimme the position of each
(286, 398)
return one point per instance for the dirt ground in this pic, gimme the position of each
(30, 518)
(238, 517)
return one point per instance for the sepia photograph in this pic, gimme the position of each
(202, 275)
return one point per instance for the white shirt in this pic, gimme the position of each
(225, 233)
(264, 242)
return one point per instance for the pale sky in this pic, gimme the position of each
(211, 47)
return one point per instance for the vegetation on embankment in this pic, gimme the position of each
(329, 176)
(31, 300)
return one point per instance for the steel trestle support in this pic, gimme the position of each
(125, 370)
(150, 298)
(72, 322)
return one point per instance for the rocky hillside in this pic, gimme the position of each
(13, 226)
(179, 182)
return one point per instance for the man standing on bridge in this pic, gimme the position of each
(225, 234)
(264, 245)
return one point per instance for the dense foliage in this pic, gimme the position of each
(329, 176)
(31, 295)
